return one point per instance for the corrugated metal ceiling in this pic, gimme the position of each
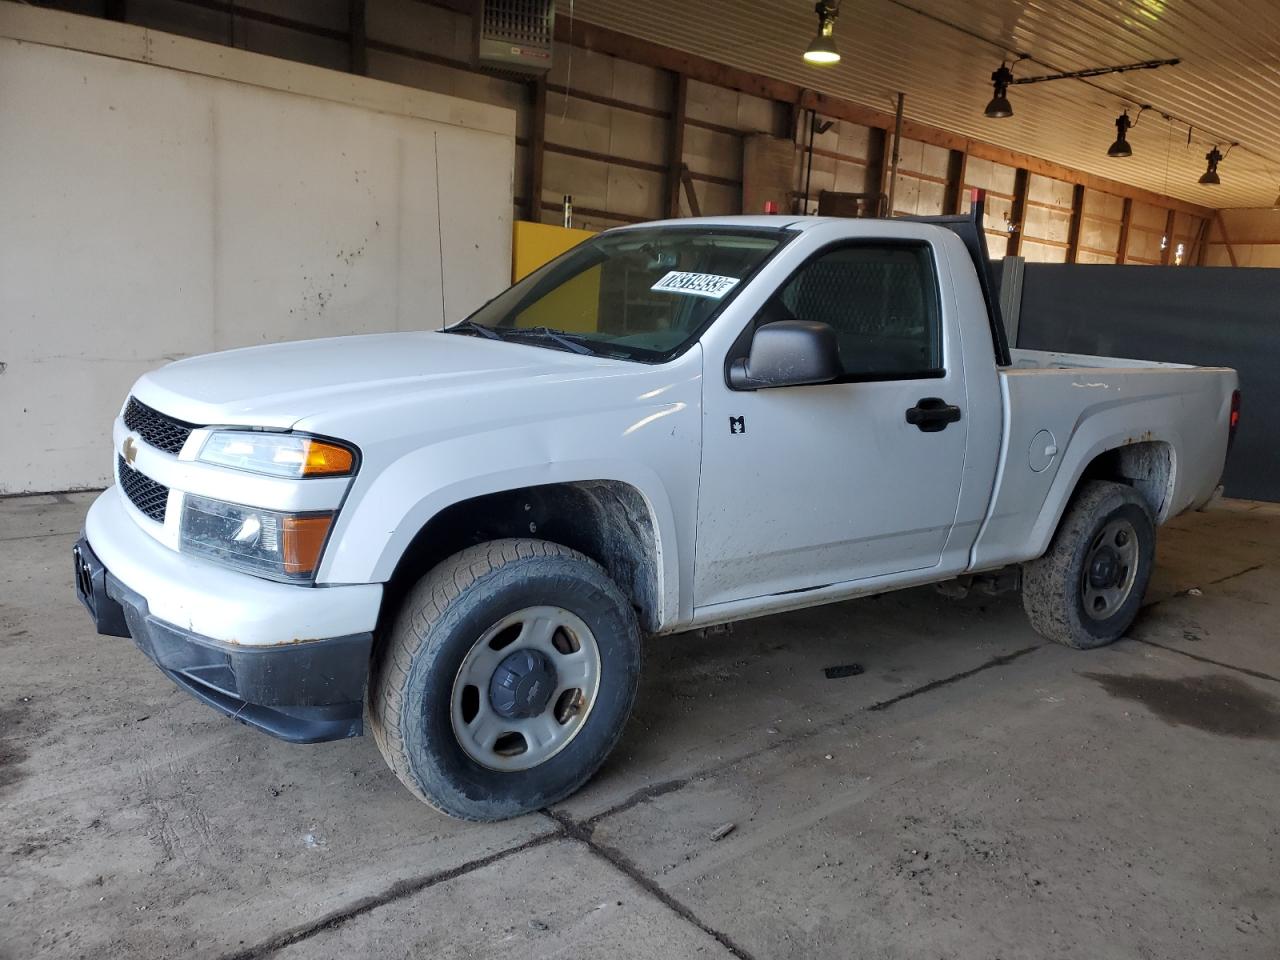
(941, 54)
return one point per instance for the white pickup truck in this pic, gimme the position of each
(672, 426)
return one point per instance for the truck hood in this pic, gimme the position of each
(280, 384)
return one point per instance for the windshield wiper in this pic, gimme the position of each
(472, 327)
(547, 333)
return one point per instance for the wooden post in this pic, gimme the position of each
(537, 148)
(1077, 215)
(689, 194)
(1198, 245)
(1018, 212)
(1226, 241)
(885, 170)
(896, 155)
(1166, 255)
(356, 11)
(957, 166)
(675, 142)
(1126, 217)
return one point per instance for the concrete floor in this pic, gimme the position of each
(976, 793)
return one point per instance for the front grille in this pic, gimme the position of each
(160, 431)
(143, 492)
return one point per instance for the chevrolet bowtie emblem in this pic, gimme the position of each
(130, 450)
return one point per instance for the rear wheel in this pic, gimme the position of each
(1087, 588)
(506, 680)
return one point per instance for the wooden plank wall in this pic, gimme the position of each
(1243, 238)
(624, 134)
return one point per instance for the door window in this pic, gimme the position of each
(882, 301)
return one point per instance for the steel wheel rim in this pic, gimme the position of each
(1110, 569)
(569, 646)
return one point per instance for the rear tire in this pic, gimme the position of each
(1088, 587)
(506, 679)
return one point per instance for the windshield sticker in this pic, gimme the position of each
(696, 284)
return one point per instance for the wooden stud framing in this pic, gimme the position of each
(1077, 215)
(957, 167)
(537, 148)
(357, 16)
(604, 40)
(689, 193)
(1166, 252)
(1126, 220)
(1196, 253)
(607, 101)
(586, 35)
(675, 142)
(1226, 240)
(1018, 212)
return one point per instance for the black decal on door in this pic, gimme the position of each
(737, 424)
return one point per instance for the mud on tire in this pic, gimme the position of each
(1088, 587)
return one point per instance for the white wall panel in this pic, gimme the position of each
(151, 214)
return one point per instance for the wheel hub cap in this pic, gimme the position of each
(1110, 569)
(1105, 569)
(522, 684)
(526, 688)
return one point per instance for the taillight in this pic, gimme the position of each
(1234, 421)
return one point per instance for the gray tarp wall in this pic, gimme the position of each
(1209, 316)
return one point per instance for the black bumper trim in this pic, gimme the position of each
(304, 692)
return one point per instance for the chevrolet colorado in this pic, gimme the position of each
(464, 534)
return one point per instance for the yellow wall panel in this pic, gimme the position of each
(533, 244)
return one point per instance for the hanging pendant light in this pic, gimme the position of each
(1121, 147)
(822, 50)
(1210, 177)
(999, 107)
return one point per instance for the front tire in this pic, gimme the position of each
(1088, 587)
(506, 680)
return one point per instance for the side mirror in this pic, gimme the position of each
(788, 353)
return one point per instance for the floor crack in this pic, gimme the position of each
(997, 661)
(397, 891)
(1257, 674)
(584, 833)
(1232, 576)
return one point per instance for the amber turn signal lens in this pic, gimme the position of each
(303, 541)
(327, 460)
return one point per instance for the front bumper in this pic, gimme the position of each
(303, 691)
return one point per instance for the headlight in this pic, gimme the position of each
(282, 546)
(279, 454)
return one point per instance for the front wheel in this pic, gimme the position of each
(1087, 588)
(506, 680)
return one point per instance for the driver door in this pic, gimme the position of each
(807, 486)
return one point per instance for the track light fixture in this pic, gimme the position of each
(1003, 79)
(999, 106)
(1121, 147)
(1210, 176)
(822, 50)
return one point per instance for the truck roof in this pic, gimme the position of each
(773, 221)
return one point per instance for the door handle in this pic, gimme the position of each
(932, 414)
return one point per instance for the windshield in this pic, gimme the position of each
(642, 294)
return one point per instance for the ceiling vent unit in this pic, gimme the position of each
(515, 35)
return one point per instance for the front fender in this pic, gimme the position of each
(377, 526)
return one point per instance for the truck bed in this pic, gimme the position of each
(1164, 425)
